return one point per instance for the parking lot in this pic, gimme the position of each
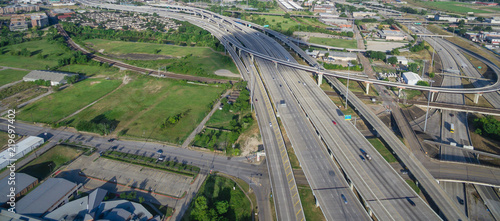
(129, 175)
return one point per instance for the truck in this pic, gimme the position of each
(367, 156)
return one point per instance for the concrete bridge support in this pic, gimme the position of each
(367, 87)
(399, 92)
(476, 98)
(320, 79)
(253, 59)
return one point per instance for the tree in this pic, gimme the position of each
(392, 60)
(222, 207)
(423, 83)
(200, 209)
(287, 15)
(380, 27)
(395, 51)
(480, 19)
(432, 74)
(326, 55)
(413, 67)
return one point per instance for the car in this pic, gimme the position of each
(270, 124)
(304, 84)
(452, 115)
(255, 99)
(460, 200)
(343, 198)
(334, 123)
(111, 140)
(160, 158)
(410, 201)
(280, 85)
(299, 82)
(403, 171)
(160, 151)
(362, 158)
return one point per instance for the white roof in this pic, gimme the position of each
(401, 58)
(20, 147)
(412, 76)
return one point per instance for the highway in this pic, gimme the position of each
(320, 114)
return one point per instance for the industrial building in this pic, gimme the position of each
(55, 78)
(23, 184)
(411, 78)
(22, 148)
(342, 56)
(50, 195)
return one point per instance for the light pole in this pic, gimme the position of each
(428, 102)
(347, 90)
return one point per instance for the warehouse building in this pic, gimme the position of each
(22, 148)
(411, 78)
(23, 184)
(55, 78)
(47, 197)
(342, 56)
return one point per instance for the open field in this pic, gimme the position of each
(217, 189)
(334, 42)
(455, 7)
(202, 57)
(90, 70)
(63, 103)
(51, 52)
(271, 20)
(312, 22)
(10, 75)
(143, 105)
(382, 149)
(50, 161)
(23, 96)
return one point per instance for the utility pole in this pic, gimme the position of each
(428, 102)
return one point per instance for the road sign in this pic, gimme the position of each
(479, 67)
(266, 26)
(347, 117)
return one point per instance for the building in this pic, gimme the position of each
(342, 56)
(55, 78)
(439, 17)
(22, 148)
(411, 78)
(10, 216)
(23, 184)
(335, 22)
(363, 14)
(401, 59)
(494, 20)
(92, 207)
(493, 40)
(18, 23)
(12, 9)
(39, 20)
(62, 13)
(313, 54)
(392, 35)
(47, 197)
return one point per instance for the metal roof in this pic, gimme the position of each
(22, 181)
(41, 199)
(47, 75)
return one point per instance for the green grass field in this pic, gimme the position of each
(413, 186)
(203, 57)
(90, 71)
(144, 103)
(382, 150)
(215, 189)
(311, 211)
(63, 103)
(334, 42)
(4, 138)
(274, 20)
(220, 119)
(10, 75)
(52, 52)
(312, 22)
(50, 161)
(457, 7)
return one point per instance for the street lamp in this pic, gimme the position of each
(428, 101)
(347, 90)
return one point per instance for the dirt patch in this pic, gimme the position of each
(226, 73)
(126, 79)
(251, 145)
(101, 51)
(94, 82)
(136, 56)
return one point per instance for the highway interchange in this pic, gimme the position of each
(319, 135)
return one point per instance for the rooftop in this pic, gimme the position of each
(47, 75)
(41, 199)
(22, 181)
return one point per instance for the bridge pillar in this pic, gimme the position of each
(316, 200)
(351, 186)
(320, 79)
(367, 88)
(276, 65)
(476, 98)
(399, 92)
(432, 96)
(370, 212)
(253, 59)
(239, 53)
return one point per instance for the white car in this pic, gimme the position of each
(270, 124)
